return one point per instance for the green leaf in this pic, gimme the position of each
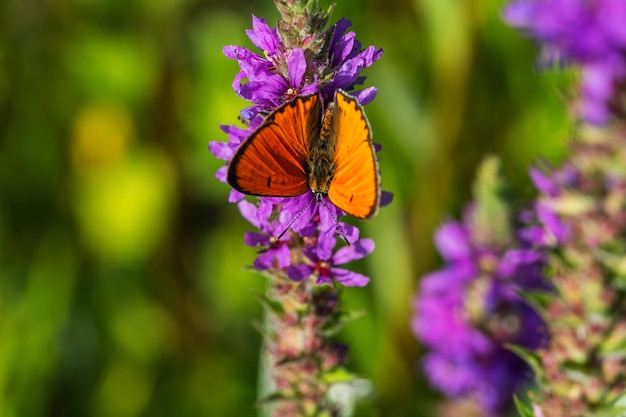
(572, 204)
(491, 217)
(271, 304)
(270, 398)
(611, 411)
(267, 333)
(538, 300)
(523, 409)
(340, 320)
(531, 358)
(616, 262)
(337, 375)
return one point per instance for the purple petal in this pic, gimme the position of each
(385, 198)
(311, 253)
(252, 113)
(350, 231)
(519, 13)
(365, 96)
(299, 272)
(357, 250)
(543, 183)
(293, 209)
(236, 52)
(325, 245)
(551, 221)
(296, 67)
(265, 260)
(329, 213)
(265, 209)
(283, 255)
(236, 135)
(235, 196)
(523, 256)
(347, 75)
(535, 235)
(310, 88)
(221, 150)
(613, 14)
(343, 48)
(267, 90)
(249, 212)
(451, 277)
(263, 37)
(452, 240)
(338, 41)
(255, 239)
(514, 259)
(349, 278)
(221, 174)
(309, 230)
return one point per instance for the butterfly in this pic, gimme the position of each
(300, 147)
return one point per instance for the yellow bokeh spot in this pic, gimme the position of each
(124, 391)
(124, 209)
(144, 330)
(101, 134)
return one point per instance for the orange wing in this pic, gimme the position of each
(271, 162)
(355, 188)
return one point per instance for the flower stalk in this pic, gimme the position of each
(582, 224)
(470, 311)
(579, 218)
(296, 236)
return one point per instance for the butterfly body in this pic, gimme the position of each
(300, 147)
(321, 159)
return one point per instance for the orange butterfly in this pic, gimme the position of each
(298, 148)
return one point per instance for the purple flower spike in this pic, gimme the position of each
(288, 65)
(589, 34)
(461, 316)
(323, 262)
(297, 70)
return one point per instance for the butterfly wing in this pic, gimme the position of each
(355, 188)
(271, 162)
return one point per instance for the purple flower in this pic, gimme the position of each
(323, 262)
(588, 33)
(468, 311)
(282, 73)
(287, 66)
(544, 227)
(274, 252)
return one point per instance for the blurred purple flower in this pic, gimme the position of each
(469, 310)
(545, 227)
(588, 33)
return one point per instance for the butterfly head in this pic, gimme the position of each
(319, 196)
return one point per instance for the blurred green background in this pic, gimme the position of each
(123, 288)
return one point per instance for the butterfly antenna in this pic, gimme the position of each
(338, 227)
(295, 218)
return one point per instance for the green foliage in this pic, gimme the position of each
(522, 409)
(491, 217)
(530, 358)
